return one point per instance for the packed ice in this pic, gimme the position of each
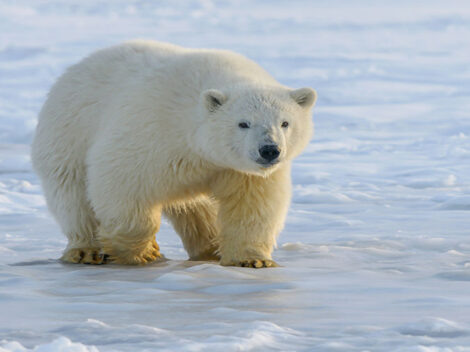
(375, 253)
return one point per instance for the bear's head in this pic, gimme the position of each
(254, 129)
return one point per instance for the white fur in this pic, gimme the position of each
(144, 128)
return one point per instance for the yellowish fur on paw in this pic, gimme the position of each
(85, 256)
(133, 256)
(255, 263)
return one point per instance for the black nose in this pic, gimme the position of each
(269, 152)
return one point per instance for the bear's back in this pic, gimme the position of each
(201, 68)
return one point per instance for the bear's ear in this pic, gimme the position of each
(305, 97)
(213, 99)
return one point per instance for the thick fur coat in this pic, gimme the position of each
(141, 129)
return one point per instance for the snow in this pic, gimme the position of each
(61, 344)
(375, 254)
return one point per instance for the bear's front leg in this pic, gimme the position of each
(121, 192)
(251, 215)
(131, 240)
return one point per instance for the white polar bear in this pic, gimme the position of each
(205, 137)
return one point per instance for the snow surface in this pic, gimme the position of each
(376, 248)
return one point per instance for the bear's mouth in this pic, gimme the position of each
(264, 163)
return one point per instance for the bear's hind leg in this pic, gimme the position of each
(195, 222)
(66, 198)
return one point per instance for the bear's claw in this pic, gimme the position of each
(257, 263)
(85, 256)
(125, 257)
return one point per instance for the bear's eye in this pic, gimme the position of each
(285, 124)
(243, 125)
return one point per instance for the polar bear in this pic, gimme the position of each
(141, 129)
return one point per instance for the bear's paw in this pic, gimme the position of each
(255, 263)
(85, 256)
(149, 254)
